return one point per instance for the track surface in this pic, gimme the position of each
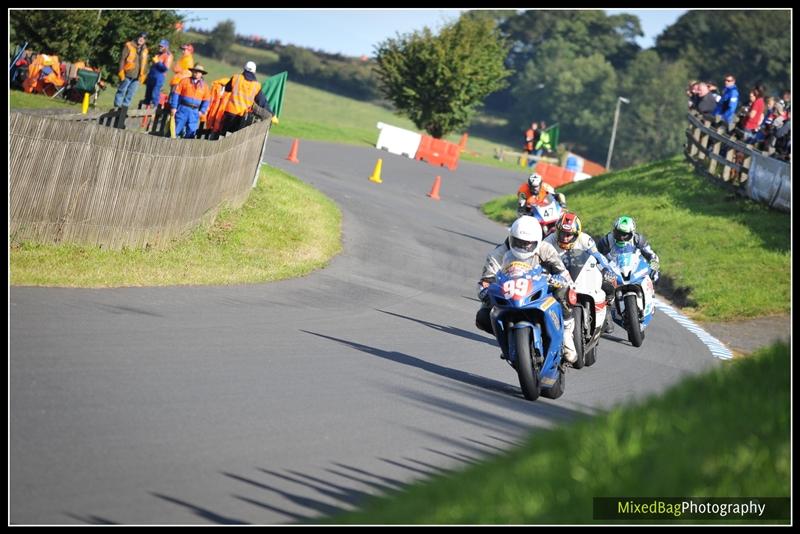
(285, 401)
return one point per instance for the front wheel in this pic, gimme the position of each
(577, 337)
(557, 389)
(635, 334)
(528, 377)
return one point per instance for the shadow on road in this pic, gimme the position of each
(492, 243)
(201, 512)
(452, 330)
(412, 361)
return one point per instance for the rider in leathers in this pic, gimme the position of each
(525, 244)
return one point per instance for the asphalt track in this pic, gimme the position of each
(274, 403)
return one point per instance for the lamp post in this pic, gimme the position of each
(614, 130)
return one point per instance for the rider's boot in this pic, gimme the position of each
(608, 325)
(569, 342)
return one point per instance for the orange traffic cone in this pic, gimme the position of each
(376, 173)
(462, 144)
(434, 194)
(293, 152)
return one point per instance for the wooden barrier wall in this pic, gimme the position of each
(86, 183)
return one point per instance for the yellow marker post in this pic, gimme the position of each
(172, 126)
(85, 106)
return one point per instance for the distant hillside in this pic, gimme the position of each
(346, 76)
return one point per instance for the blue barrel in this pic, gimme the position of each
(574, 164)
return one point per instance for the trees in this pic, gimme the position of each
(221, 38)
(653, 125)
(752, 45)
(96, 36)
(438, 81)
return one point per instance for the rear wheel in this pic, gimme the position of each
(577, 336)
(528, 377)
(635, 334)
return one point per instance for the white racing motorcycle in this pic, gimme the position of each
(635, 295)
(589, 309)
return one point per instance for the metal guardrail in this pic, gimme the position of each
(738, 166)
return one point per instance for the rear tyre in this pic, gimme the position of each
(528, 376)
(635, 334)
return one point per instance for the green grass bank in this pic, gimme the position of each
(265, 240)
(720, 434)
(724, 257)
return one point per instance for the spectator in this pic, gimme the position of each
(155, 78)
(694, 97)
(182, 66)
(726, 107)
(245, 91)
(756, 114)
(714, 90)
(786, 100)
(543, 144)
(706, 103)
(132, 70)
(783, 138)
(190, 99)
(690, 92)
(531, 137)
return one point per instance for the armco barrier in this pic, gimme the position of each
(82, 182)
(398, 140)
(438, 152)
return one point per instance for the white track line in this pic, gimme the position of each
(714, 345)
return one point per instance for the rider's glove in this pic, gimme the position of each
(557, 281)
(654, 265)
(610, 277)
(483, 294)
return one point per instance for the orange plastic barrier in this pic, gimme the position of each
(554, 175)
(438, 152)
(592, 169)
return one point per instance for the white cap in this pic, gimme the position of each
(250, 67)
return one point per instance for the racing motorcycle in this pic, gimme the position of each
(547, 212)
(527, 322)
(590, 309)
(634, 295)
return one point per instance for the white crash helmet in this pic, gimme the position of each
(535, 182)
(250, 67)
(526, 235)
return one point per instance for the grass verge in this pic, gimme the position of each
(265, 240)
(722, 434)
(724, 257)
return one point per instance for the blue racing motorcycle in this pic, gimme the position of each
(634, 296)
(527, 322)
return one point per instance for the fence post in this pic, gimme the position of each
(712, 165)
(726, 170)
(704, 140)
(693, 150)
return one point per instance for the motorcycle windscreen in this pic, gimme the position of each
(574, 260)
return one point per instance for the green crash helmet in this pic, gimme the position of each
(624, 229)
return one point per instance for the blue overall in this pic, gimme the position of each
(189, 109)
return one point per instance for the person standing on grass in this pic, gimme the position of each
(132, 70)
(155, 78)
(190, 99)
